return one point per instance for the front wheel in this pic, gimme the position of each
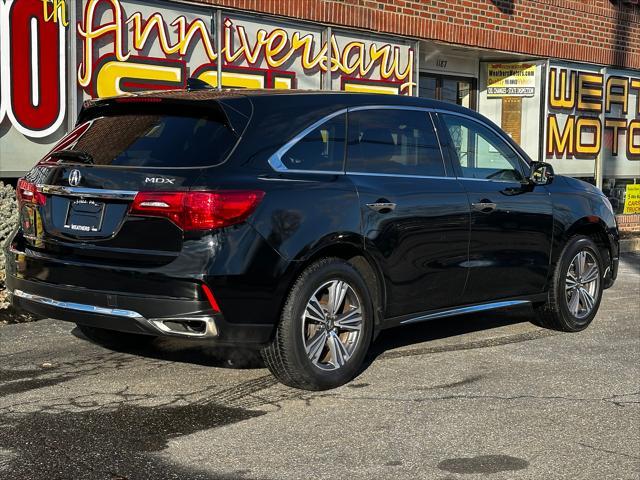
(325, 328)
(576, 289)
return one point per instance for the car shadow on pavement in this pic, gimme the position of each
(457, 333)
(187, 351)
(428, 337)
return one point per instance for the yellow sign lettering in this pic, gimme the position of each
(560, 143)
(58, 11)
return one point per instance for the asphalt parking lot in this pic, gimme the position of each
(486, 396)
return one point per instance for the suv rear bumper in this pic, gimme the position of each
(140, 314)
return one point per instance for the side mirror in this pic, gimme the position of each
(541, 173)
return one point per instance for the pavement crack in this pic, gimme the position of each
(611, 399)
(612, 452)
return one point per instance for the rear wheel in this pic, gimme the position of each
(576, 290)
(325, 328)
(114, 339)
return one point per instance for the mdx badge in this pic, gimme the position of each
(74, 178)
(160, 180)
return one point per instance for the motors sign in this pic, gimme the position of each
(593, 113)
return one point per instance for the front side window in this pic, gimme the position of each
(322, 149)
(400, 142)
(480, 152)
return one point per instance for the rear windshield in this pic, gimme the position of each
(147, 141)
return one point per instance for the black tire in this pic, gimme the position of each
(114, 339)
(555, 313)
(286, 357)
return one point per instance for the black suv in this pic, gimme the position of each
(300, 224)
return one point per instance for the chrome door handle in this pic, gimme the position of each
(484, 207)
(382, 206)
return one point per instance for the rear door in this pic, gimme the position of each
(87, 183)
(511, 220)
(415, 214)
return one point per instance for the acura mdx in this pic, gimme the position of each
(299, 224)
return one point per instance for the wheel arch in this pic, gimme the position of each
(596, 229)
(349, 248)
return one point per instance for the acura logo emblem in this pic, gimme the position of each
(74, 178)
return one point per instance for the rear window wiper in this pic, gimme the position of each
(73, 155)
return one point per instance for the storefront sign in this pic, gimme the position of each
(590, 113)
(132, 45)
(129, 46)
(511, 80)
(632, 199)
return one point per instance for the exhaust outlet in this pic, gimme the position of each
(200, 327)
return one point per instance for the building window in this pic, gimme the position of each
(459, 90)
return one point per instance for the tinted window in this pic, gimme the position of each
(401, 142)
(480, 152)
(153, 141)
(321, 149)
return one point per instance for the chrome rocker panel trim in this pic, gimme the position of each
(462, 310)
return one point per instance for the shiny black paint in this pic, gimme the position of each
(580, 208)
(510, 247)
(421, 245)
(430, 253)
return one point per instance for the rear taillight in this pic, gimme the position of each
(198, 210)
(27, 192)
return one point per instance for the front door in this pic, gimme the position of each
(458, 90)
(415, 214)
(511, 220)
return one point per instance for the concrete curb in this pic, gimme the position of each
(630, 245)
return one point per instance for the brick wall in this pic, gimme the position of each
(598, 31)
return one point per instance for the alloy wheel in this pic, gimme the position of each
(582, 284)
(332, 325)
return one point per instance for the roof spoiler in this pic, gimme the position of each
(150, 104)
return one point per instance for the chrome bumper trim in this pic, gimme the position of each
(157, 323)
(87, 192)
(80, 307)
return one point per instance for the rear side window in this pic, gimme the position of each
(401, 142)
(151, 141)
(322, 149)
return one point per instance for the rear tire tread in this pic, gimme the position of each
(276, 355)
